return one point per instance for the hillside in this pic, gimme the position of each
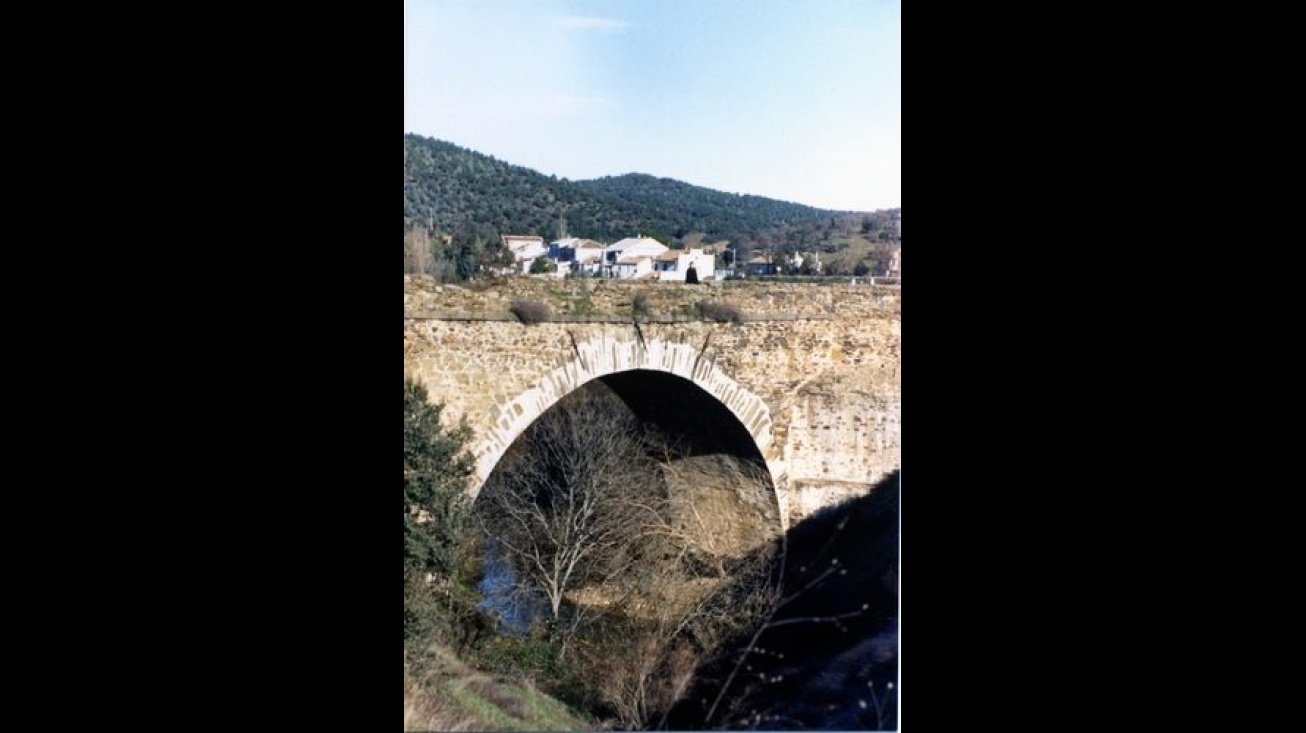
(447, 187)
(677, 209)
(444, 693)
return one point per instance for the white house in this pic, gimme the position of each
(632, 257)
(576, 255)
(589, 256)
(673, 264)
(525, 250)
(559, 248)
(631, 266)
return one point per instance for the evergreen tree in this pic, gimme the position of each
(437, 511)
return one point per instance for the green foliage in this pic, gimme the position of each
(477, 198)
(448, 188)
(425, 617)
(437, 510)
(542, 265)
(534, 655)
(466, 248)
(537, 657)
(443, 693)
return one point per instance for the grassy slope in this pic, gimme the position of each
(449, 695)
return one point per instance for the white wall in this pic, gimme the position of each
(704, 264)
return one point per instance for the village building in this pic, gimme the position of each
(673, 264)
(525, 250)
(575, 255)
(760, 265)
(631, 257)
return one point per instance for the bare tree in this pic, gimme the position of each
(605, 519)
(572, 496)
(696, 584)
(678, 624)
(417, 252)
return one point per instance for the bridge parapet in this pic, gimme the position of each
(599, 298)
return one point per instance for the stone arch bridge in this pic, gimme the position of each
(808, 384)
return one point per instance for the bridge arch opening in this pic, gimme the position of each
(690, 428)
(702, 494)
(678, 407)
(670, 383)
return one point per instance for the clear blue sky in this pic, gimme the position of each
(792, 99)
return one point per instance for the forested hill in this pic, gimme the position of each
(688, 208)
(447, 188)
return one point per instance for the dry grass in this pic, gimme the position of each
(424, 709)
(450, 696)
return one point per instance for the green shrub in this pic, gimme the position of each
(719, 312)
(639, 306)
(438, 542)
(534, 656)
(531, 311)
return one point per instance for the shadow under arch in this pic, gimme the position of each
(667, 384)
(678, 407)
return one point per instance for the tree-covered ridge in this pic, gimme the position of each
(683, 208)
(447, 187)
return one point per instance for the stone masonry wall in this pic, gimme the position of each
(814, 371)
(604, 298)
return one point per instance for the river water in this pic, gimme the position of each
(505, 597)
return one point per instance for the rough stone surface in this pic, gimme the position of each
(813, 373)
(721, 508)
(606, 299)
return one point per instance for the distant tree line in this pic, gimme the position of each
(456, 257)
(448, 186)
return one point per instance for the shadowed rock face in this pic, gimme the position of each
(825, 659)
(726, 504)
(847, 690)
(727, 499)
